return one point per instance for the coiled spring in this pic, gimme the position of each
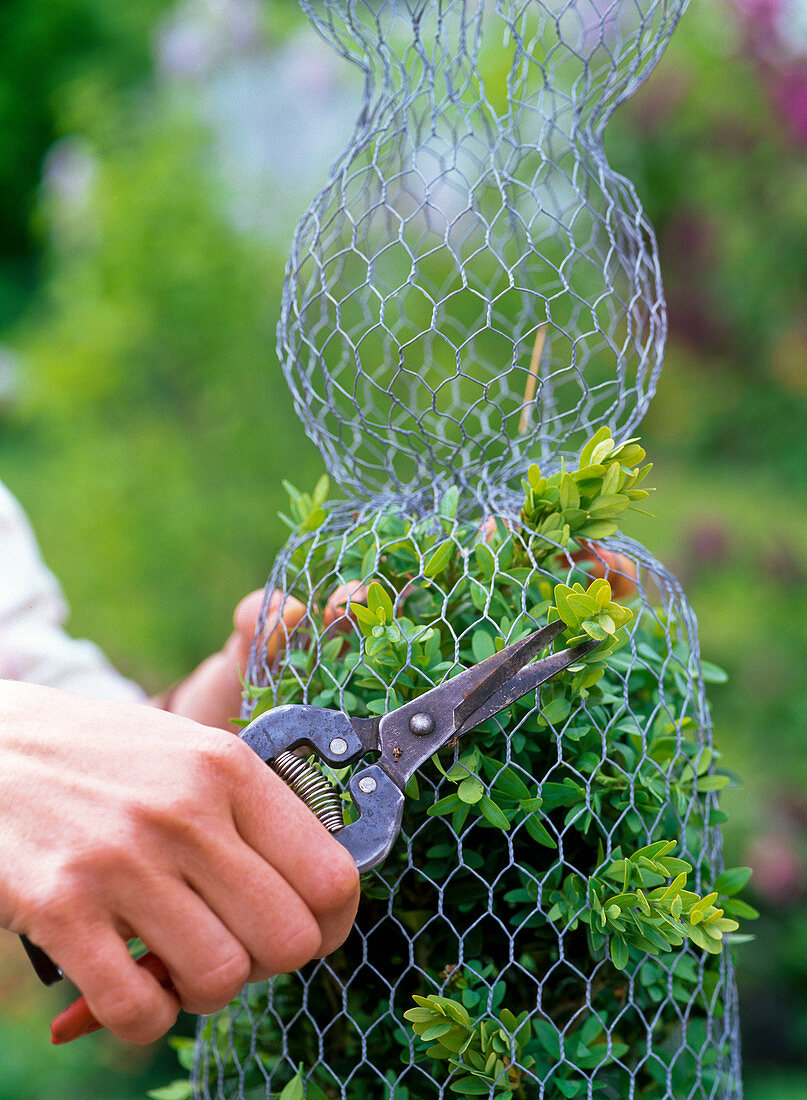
(309, 784)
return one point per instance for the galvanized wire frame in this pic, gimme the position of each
(342, 1018)
(472, 222)
(474, 288)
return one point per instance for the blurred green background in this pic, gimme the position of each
(154, 159)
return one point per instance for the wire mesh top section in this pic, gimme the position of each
(594, 52)
(475, 284)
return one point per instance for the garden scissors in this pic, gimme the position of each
(405, 738)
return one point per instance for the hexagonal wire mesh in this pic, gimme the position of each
(475, 285)
(474, 263)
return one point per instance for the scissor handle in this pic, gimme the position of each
(380, 804)
(329, 732)
(338, 740)
(46, 969)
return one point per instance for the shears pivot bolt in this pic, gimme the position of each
(338, 746)
(421, 725)
(367, 785)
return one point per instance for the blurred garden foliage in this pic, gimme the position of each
(43, 48)
(154, 160)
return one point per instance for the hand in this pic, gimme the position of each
(212, 693)
(122, 821)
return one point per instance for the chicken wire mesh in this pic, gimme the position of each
(462, 907)
(475, 287)
(475, 283)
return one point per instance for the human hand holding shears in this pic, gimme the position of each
(405, 738)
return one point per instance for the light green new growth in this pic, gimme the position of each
(584, 503)
(657, 915)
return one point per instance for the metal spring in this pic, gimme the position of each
(309, 784)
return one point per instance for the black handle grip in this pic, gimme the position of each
(46, 969)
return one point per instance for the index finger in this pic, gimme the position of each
(77, 1019)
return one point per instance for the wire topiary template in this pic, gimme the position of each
(474, 290)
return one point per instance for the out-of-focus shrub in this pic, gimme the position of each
(718, 148)
(43, 47)
(151, 379)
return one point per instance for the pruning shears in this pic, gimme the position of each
(407, 736)
(404, 738)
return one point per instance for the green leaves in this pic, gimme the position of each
(295, 1089)
(177, 1090)
(584, 503)
(379, 603)
(652, 912)
(620, 952)
(493, 813)
(450, 503)
(728, 885)
(306, 509)
(500, 1053)
(731, 881)
(482, 645)
(471, 791)
(590, 613)
(439, 561)
(479, 1053)
(568, 493)
(485, 560)
(378, 612)
(501, 798)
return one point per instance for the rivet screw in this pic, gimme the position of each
(421, 725)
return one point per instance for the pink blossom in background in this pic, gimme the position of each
(762, 15)
(791, 97)
(779, 875)
(776, 36)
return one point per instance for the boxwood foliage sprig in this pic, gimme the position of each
(585, 503)
(492, 1052)
(541, 844)
(651, 912)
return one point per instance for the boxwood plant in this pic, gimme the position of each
(551, 921)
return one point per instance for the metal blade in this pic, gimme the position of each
(492, 674)
(528, 679)
(411, 734)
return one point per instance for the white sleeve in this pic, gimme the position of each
(33, 644)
